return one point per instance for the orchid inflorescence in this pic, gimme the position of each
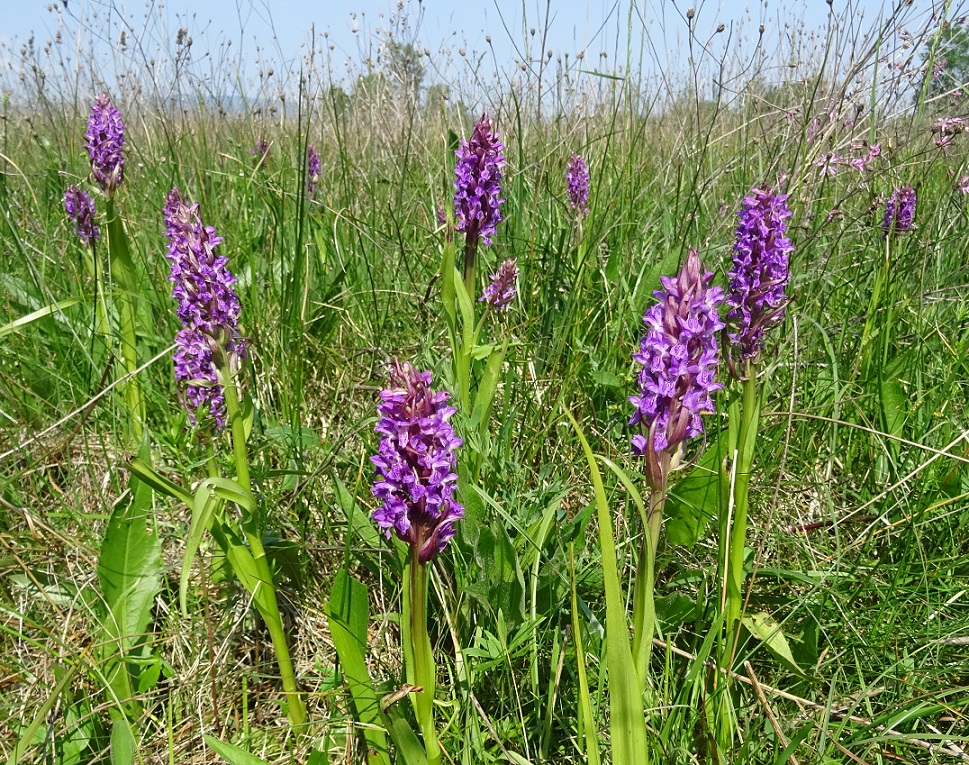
(502, 288)
(208, 308)
(477, 183)
(80, 209)
(899, 211)
(758, 280)
(415, 477)
(678, 356)
(105, 142)
(577, 181)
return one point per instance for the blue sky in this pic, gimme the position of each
(281, 28)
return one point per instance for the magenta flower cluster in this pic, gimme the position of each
(899, 211)
(105, 143)
(80, 209)
(477, 184)
(208, 308)
(415, 477)
(678, 356)
(502, 288)
(577, 182)
(756, 294)
(312, 169)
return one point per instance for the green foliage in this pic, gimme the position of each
(129, 572)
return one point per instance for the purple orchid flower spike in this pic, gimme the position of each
(756, 295)
(80, 209)
(477, 184)
(577, 181)
(208, 308)
(415, 478)
(899, 211)
(503, 286)
(105, 142)
(679, 359)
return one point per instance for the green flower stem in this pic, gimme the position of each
(644, 608)
(423, 671)
(125, 278)
(470, 264)
(750, 417)
(103, 324)
(266, 603)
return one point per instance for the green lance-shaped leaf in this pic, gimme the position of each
(232, 754)
(129, 572)
(627, 724)
(348, 614)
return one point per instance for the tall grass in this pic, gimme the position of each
(858, 534)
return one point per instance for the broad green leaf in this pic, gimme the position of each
(763, 627)
(246, 571)
(123, 271)
(480, 352)
(129, 572)
(467, 312)
(405, 740)
(488, 385)
(231, 491)
(500, 578)
(122, 743)
(894, 404)
(694, 499)
(348, 614)
(232, 754)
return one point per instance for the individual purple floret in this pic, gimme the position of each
(678, 356)
(207, 306)
(502, 289)
(415, 478)
(577, 178)
(312, 169)
(758, 280)
(478, 182)
(899, 211)
(105, 142)
(80, 209)
(441, 215)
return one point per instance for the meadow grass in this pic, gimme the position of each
(858, 535)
